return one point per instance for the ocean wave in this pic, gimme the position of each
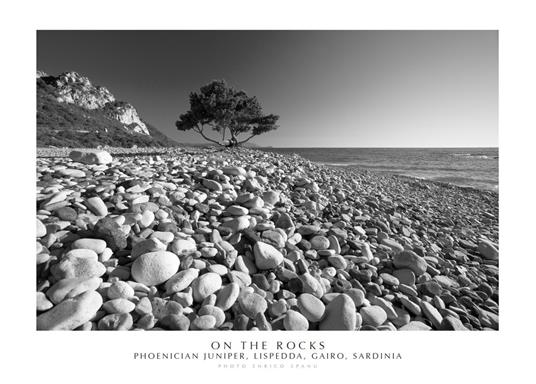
(472, 167)
(468, 181)
(464, 178)
(339, 164)
(475, 155)
(490, 185)
(398, 168)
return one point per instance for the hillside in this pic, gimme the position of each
(72, 112)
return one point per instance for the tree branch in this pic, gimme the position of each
(246, 140)
(200, 131)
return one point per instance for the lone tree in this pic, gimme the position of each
(228, 111)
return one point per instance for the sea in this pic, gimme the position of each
(466, 167)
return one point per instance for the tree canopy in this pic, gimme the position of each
(230, 112)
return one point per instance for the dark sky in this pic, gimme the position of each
(331, 88)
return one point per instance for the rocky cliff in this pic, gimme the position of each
(71, 111)
(126, 114)
(73, 88)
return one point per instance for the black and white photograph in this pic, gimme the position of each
(228, 191)
(267, 180)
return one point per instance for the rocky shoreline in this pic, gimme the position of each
(202, 239)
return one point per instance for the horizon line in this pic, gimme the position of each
(368, 147)
(382, 147)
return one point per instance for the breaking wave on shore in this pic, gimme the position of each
(467, 167)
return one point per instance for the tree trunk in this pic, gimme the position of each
(233, 141)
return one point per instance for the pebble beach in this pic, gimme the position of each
(208, 239)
